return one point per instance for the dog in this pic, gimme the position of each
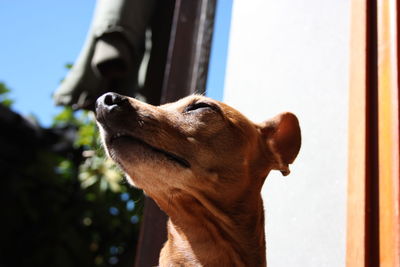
(204, 164)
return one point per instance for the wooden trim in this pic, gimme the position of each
(355, 253)
(373, 234)
(388, 133)
(363, 193)
(189, 49)
(152, 236)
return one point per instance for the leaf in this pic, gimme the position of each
(66, 116)
(4, 95)
(7, 102)
(91, 180)
(68, 66)
(4, 89)
(86, 134)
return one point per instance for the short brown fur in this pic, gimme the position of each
(204, 164)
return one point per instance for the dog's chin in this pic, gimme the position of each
(130, 152)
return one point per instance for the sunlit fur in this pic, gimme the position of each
(215, 207)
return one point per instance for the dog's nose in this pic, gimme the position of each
(110, 100)
(110, 103)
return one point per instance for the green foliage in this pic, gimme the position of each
(67, 209)
(4, 95)
(112, 204)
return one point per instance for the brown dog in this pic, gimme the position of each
(204, 164)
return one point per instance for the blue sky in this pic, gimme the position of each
(219, 51)
(39, 37)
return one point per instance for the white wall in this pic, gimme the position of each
(292, 55)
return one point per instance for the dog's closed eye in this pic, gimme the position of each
(200, 106)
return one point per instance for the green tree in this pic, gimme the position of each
(64, 202)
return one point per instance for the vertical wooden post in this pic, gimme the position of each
(363, 193)
(357, 137)
(388, 96)
(189, 49)
(373, 236)
(184, 72)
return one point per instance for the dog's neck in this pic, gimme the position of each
(197, 226)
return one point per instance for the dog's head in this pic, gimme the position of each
(194, 144)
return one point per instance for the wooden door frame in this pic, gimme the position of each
(373, 177)
(388, 117)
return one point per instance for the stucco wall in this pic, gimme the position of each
(292, 55)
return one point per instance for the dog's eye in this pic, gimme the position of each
(199, 107)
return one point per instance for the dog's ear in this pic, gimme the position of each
(283, 138)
